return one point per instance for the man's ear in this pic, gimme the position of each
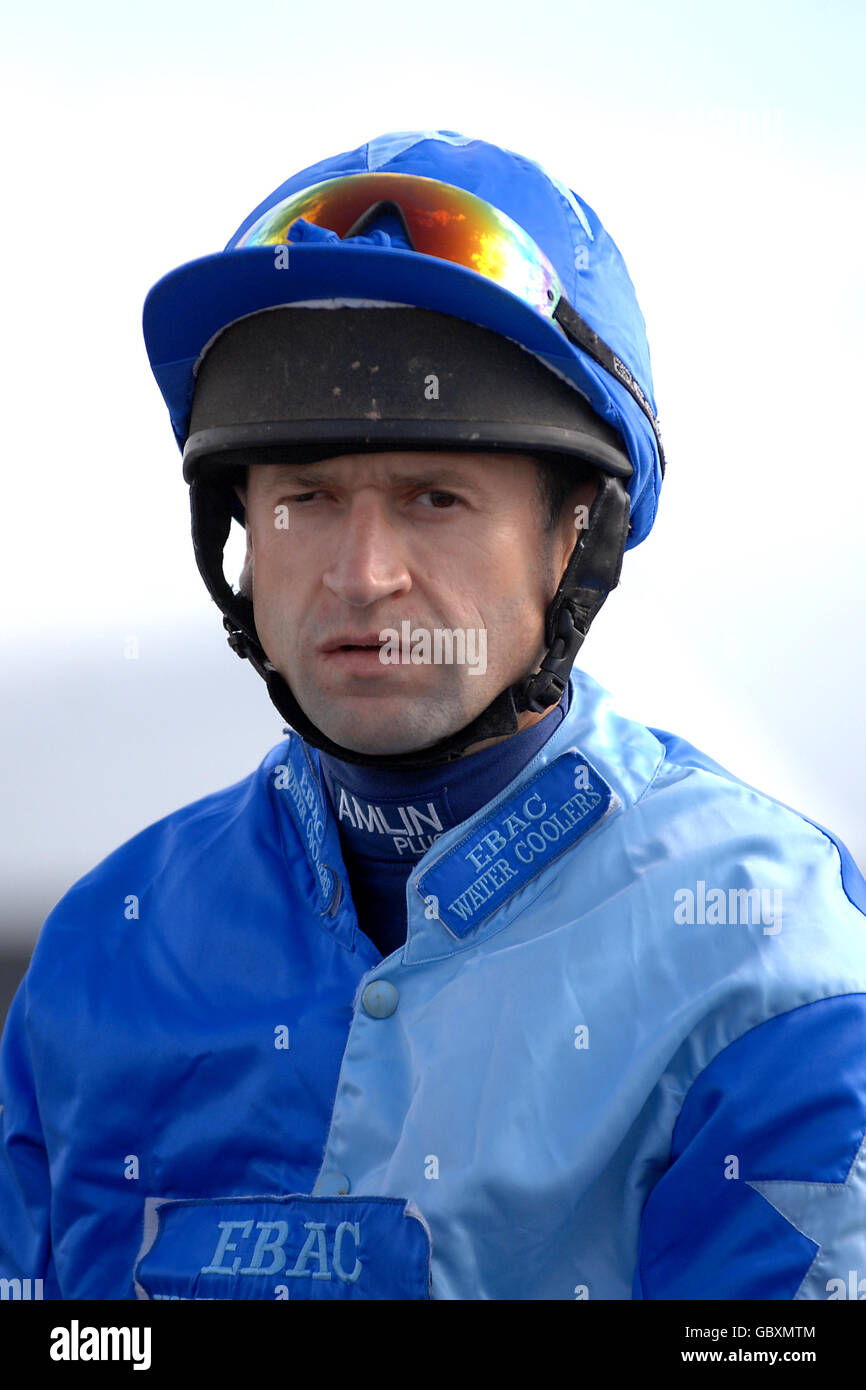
(575, 517)
(245, 581)
(582, 499)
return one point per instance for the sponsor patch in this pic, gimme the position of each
(296, 780)
(516, 841)
(281, 1248)
(388, 827)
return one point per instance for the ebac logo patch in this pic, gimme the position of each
(276, 1248)
(517, 840)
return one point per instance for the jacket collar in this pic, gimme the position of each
(484, 871)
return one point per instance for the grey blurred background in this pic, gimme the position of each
(724, 153)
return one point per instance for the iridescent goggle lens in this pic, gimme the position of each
(441, 220)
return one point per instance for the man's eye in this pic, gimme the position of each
(441, 501)
(448, 497)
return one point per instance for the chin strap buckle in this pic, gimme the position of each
(243, 646)
(237, 640)
(546, 687)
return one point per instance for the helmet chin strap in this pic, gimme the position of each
(593, 569)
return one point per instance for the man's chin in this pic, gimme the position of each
(397, 721)
(386, 733)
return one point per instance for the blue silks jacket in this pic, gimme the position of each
(622, 1053)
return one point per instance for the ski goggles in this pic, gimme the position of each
(439, 219)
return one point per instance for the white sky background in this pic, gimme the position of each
(724, 151)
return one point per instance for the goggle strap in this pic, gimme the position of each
(580, 333)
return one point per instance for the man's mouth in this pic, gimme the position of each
(351, 642)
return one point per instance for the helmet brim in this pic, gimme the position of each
(188, 308)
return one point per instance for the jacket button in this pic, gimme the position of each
(380, 999)
(331, 1185)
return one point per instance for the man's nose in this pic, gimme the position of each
(368, 560)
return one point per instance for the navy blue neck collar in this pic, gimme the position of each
(394, 816)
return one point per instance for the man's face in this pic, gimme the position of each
(340, 551)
